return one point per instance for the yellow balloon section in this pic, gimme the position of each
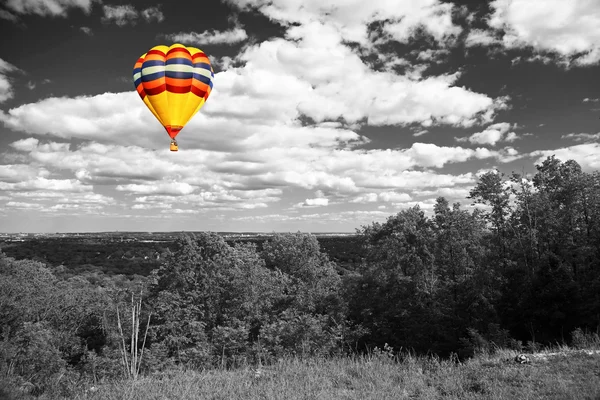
(174, 83)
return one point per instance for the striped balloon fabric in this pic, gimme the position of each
(174, 82)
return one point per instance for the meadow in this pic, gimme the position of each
(560, 374)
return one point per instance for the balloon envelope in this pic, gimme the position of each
(174, 82)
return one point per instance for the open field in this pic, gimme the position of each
(551, 375)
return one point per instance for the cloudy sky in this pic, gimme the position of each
(325, 115)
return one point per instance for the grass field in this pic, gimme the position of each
(566, 375)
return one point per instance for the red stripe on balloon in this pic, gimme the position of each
(157, 52)
(178, 89)
(141, 91)
(198, 55)
(178, 50)
(198, 92)
(157, 90)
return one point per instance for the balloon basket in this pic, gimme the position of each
(174, 146)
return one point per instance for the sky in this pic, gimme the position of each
(325, 116)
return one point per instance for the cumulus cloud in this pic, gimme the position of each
(315, 70)
(153, 14)
(587, 155)
(40, 183)
(13, 173)
(358, 216)
(173, 188)
(316, 202)
(384, 196)
(7, 15)
(570, 30)
(400, 20)
(582, 137)
(120, 15)
(491, 135)
(86, 30)
(83, 117)
(234, 35)
(6, 89)
(481, 37)
(246, 179)
(52, 8)
(127, 14)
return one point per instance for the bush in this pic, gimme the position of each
(585, 340)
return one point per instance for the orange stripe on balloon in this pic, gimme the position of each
(155, 57)
(180, 54)
(178, 81)
(200, 85)
(153, 84)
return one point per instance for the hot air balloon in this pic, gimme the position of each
(174, 82)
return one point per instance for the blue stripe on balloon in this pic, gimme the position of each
(152, 63)
(202, 78)
(202, 65)
(151, 77)
(178, 60)
(179, 74)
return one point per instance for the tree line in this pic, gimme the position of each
(522, 270)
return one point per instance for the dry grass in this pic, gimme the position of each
(571, 375)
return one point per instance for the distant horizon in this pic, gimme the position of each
(177, 231)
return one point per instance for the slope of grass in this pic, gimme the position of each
(568, 375)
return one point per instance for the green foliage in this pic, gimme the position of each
(585, 340)
(218, 304)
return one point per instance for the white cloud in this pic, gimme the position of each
(86, 30)
(322, 74)
(40, 183)
(234, 35)
(564, 28)
(480, 37)
(587, 99)
(251, 179)
(151, 206)
(86, 117)
(385, 196)
(587, 155)
(20, 172)
(358, 216)
(172, 188)
(8, 16)
(351, 17)
(153, 14)
(22, 205)
(120, 15)
(451, 193)
(53, 8)
(491, 135)
(6, 90)
(60, 197)
(582, 137)
(316, 202)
